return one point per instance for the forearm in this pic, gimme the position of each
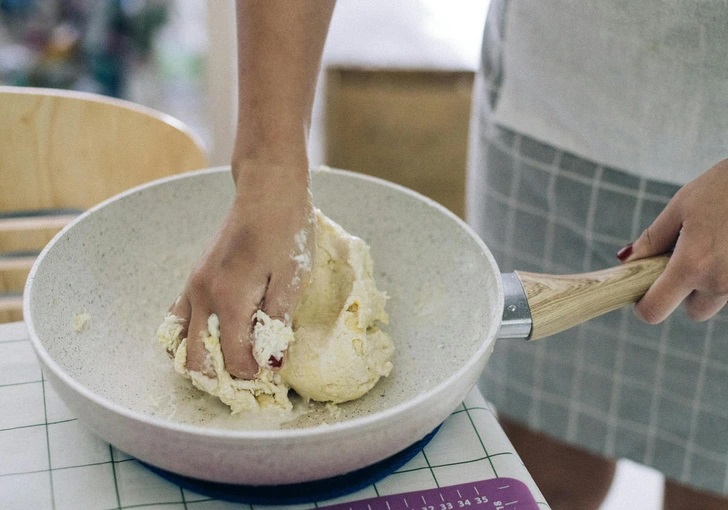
(279, 54)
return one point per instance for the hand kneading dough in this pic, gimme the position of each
(335, 351)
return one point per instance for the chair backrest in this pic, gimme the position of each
(62, 152)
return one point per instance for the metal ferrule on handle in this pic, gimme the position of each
(516, 322)
(540, 305)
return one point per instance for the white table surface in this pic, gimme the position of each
(418, 34)
(49, 460)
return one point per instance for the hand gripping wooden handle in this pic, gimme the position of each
(559, 302)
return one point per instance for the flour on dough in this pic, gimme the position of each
(334, 351)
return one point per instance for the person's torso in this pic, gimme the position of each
(638, 85)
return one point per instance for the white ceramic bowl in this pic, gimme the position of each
(124, 262)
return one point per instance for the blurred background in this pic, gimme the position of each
(393, 100)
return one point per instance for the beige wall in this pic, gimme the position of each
(221, 81)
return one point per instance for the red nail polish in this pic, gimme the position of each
(625, 252)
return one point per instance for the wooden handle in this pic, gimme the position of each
(559, 302)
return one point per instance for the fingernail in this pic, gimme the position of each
(625, 252)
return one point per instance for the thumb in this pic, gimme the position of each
(660, 237)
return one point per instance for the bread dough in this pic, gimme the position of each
(267, 390)
(334, 351)
(339, 353)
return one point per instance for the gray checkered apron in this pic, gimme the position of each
(616, 386)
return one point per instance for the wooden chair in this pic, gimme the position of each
(62, 152)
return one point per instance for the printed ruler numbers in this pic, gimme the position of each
(494, 494)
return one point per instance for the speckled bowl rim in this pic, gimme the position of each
(278, 434)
